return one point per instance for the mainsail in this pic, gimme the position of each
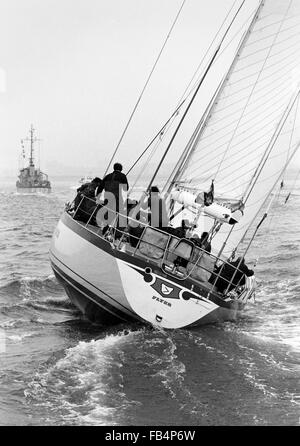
(244, 143)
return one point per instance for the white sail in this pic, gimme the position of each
(239, 146)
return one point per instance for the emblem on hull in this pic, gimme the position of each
(169, 292)
(166, 290)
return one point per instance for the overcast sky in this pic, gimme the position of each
(75, 68)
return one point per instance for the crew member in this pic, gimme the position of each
(115, 183)
(231, 274)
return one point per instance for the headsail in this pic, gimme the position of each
(242, 144)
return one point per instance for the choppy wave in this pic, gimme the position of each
(169, 371)
(66, 371)
(29, 286)
(86, 386)
(95, 384)
(31, 301)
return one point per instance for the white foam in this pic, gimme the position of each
(87, 383)
(172, 373)
(293, 341)
(19, 338)
(36, 278)
(8, 324)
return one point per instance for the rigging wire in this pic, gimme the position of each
(207, 52)
(244, 131)
(270, 75)
(267, 92)
(236, 145)
(163, 129)
(242, 40)
(296, 147)
(292, 132)
(144, 167)
(292, 188)
(194, 95)
(279, 191)
(252, 90)
(172, 177)
(268, 154)
(197, 161)
(232, 163)
(201, 158)
(145, 86)
(274, 199)
(291, 137)
(265, 215)
(39, 154)
(213, 41)
(183, 99)
(159, 133)
(234, 36)
(270, 147)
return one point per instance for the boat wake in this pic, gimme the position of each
(169, 371)
(86, 386)
(275, 315)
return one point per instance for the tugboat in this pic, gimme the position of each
(32, 179)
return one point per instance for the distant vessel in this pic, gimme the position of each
(32, 179)
(83, 180)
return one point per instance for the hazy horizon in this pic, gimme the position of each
(75, 69)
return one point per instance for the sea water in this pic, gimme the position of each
(58, 369)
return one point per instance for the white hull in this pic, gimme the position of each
(110, 286)
(90, 271)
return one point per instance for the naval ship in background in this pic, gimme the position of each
(31, 178)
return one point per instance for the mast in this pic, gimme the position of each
(172, 178)
(204, 120)
(183, 117)
(31, 161)
(243, 142)
(195, 94)
(32, 139)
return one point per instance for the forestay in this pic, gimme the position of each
(238, 145)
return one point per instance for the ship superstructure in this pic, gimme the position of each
(31, 178)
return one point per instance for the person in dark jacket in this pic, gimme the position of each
(202, 242)
(234, 271)
(85, 200)
(154, 209)
(115, 183)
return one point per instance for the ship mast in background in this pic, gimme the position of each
(32, 179)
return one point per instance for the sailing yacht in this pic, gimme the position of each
(221, 183)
